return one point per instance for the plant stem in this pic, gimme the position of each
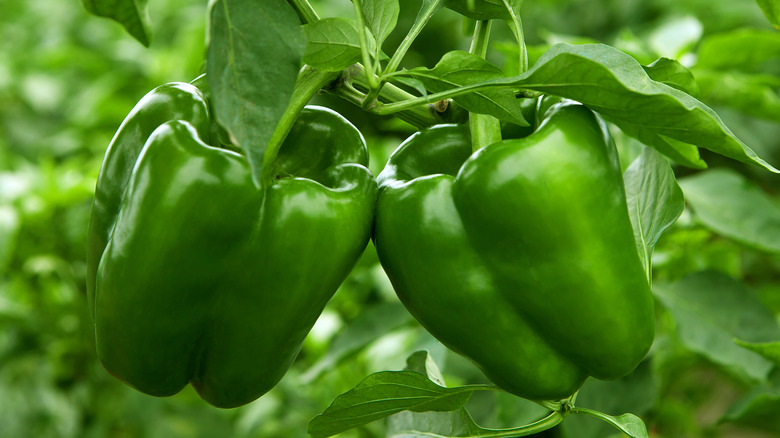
(517, 29)
(479, 43)
(545, 423)
(418, 116)
(386, 109)
(304, 10)
(429, 8)
(310, 81)
(485, 129)
(373, 81)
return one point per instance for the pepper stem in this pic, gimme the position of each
(305, 11)
(310, 81)
(484, 129)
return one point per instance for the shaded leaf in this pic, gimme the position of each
(672, 73)
(383, 394)
(710, 310)
(758, 408)
(615, 85)
(746, 50)
(768, 350)
(131, 14)
(333, 44)
(733, 206)
(253, 59)
(381, 17)
(752, 94)
(450, 424)
(655, 201)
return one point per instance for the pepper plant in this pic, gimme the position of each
(506, 225)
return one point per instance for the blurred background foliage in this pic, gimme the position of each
(67, 80)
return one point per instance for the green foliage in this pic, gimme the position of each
(654, 200)
(332, 43)
(68, 79)
(462, 68)
(252, 69)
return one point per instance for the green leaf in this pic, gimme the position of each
(333, 44)
(636, 393)
(456, 423)
(771, 9)
(733, 206)
(451, 424)
(459, 68)
(131, 14)
(435, 425)
(253, 59)
(615, 85)
(768, 350)
(758, 408)
(411, 83)
(381, 17)
(385, 393)
(629, 424)
(752, 94)
(710, 310)
(746, 50)
(655, 201)
(672, 73)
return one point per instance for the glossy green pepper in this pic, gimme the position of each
(521, 256)
(195, 274)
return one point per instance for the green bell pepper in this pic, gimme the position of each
(197, 275)
(521, 256)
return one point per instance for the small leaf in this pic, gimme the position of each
(655, 201)
(733, 206)
(423, 363)
(672, 73)
(131, 14)
(615, 85)
(333, 44)
(635, 393)
(710, 310)
(771, 10)
(253, 59)
(629, 424)
(385, 393)
(381, 17)
(458, 68)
